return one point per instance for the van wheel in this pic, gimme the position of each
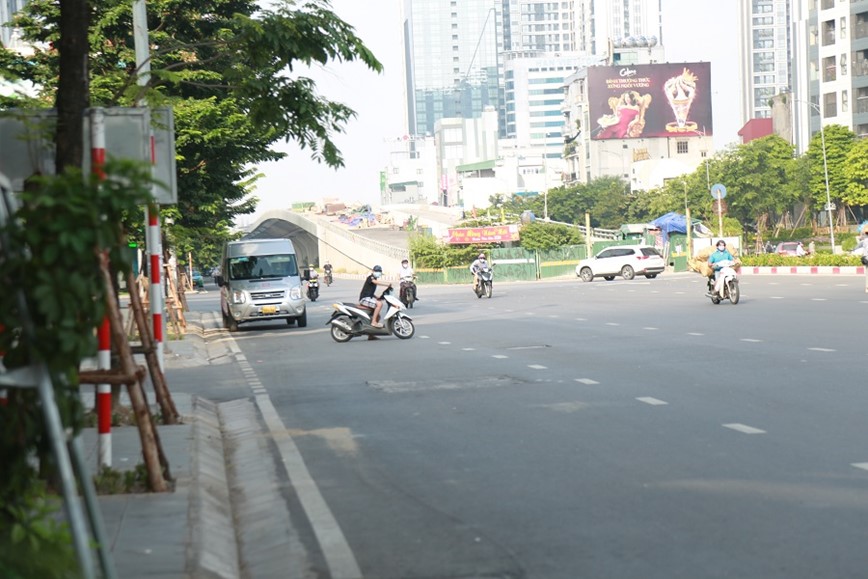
(302, 320)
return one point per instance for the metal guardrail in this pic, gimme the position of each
(367, 243)
(596, 232)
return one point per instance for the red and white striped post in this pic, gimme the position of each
(104, 396)
(104, 352)
(155, 251)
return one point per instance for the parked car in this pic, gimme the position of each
(789, 248)
(628, 261)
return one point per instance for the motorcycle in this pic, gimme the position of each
(312, 289)
(408, 292)
(350, 320)
(328, 278)
(726, 286)
(484, 286)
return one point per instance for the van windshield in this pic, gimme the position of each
(262, 266)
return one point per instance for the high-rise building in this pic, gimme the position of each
(765, 50)
(602, 22)
(451, 61)
(830, 67)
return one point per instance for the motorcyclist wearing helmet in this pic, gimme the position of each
(475, 267)
(368, 296)
(722, 254)
(407, 276)
(311, 272)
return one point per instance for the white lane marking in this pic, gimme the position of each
(695, 334)
(581, 319)
(777, 297)
(818, 299)
(424, 337)
(444, 343)
(744, 428)
(822, 349)
(586, 381)
(650, 328)
(537, 367)
(652, 401)
(339, 558)
(612, 324)
(554, 316)
(862, 465)
(468, 349)
(499, 356)
(753, 340)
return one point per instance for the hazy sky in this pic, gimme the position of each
(693, 30)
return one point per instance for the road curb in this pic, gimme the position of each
(213, 544)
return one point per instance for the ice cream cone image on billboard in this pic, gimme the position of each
(680, 91)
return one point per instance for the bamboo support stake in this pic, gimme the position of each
(158, 379)
(155, 461)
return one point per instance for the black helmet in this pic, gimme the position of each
(378, 268)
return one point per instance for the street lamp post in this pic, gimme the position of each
(816, 107)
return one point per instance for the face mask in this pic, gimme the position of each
(721, 247)
(377, 274)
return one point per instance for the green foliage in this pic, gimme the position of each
(818, 259)
(540, 236)
(426, 252)
(50, 266)
(33, 543)
(856, 173)
(839, 141)
(229, 70)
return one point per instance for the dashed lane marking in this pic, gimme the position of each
(652, 401)
(822, 349)
(818, 299)
(743, 428)
(752, 340)
(587, 381)
(612, 324)
(444, 343)
(650, 328)
(695, 334)
(862, 465)
(537, 367)
(468, 349)
(499, 356)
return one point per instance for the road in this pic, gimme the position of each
(567, 429)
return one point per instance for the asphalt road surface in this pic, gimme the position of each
(570, 430)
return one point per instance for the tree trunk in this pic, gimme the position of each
(73, 93)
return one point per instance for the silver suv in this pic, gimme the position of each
(628, 261)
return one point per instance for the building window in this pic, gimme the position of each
(828, 30)
(681, 148)
(845, 102)
(830, 105)
(829, 69)
(843, 64)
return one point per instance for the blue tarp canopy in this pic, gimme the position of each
(677, 223)
(671, 223)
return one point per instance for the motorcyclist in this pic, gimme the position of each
(479, 264)
(406, 275)
(311, 272)
(720, 255)
(368, 296)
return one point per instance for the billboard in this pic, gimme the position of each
(491, 234)
(650, 100)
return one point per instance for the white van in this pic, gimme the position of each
(259, 281)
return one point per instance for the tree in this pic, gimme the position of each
(759, 179)
(856, 173)
(540, 235)
(228, 69)
(839, 140)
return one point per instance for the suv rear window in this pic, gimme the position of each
(650, 252)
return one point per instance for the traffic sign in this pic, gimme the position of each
(718, 191)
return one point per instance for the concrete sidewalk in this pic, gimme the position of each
(227, 488)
